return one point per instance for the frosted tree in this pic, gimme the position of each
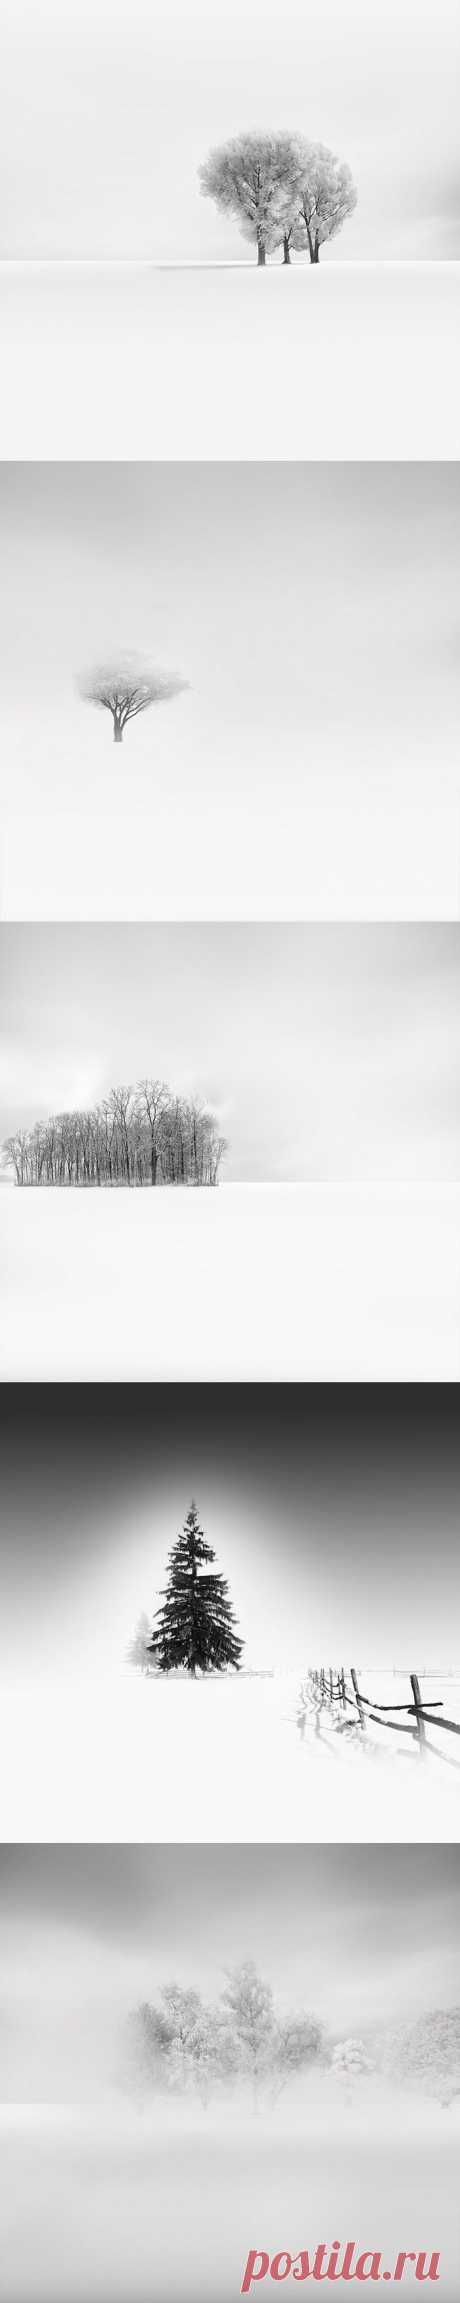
(350, 2062)
(321, 196)
(299, 2043)
(125, 687)
(174, 2046)
(138, 1651)
(249, 2016)
(426, 2055)
(249, 177)
(196, 1624)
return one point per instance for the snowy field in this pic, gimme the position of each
(222, 1758)
(375, 856)
(100, 2203)
(249, 1283)
(350, 360)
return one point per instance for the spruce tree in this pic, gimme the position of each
(196, 1622)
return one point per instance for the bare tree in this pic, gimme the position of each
(152, 1102)
(127, 687)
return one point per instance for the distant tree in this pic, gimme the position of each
(350, 2062)
(322, 196)
(125, 688)
(138, 1650)
(299, 2043)
(248, 2008)
(196, 1622)
(247, 177)
(426, 2054)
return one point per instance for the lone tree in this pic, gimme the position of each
(247, 178)
(196, 1623)
(127, 687)
(284, 190)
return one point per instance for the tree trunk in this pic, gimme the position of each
(260, 252)
(315, 252)
(286, 250)
(117, 733)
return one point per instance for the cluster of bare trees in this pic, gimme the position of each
(285, 191)
(141, 1135)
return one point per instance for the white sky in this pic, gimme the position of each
(108, 112)
(325, 1052)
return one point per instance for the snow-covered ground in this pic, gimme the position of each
(347, 360)
(101, 2202)
(249, 1283)
(222, 1758)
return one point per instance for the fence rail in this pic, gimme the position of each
(334, 1697)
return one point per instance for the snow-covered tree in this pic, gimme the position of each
(249, 2016)
(139, 1647)
(174, 2046)
(248, 178)
(125, 687)
(426, 2054)
(299, 2043)
(196, 1621)
(321, 196)
(351, 2062)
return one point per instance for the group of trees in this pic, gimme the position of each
(285, 192)
(184, 2045)
(196, 1624)
(141, 1135)
(181, 2044)
(125, 687)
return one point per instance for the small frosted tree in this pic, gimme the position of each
(249, 177)
(350, 2062)
(196, 1624)
(126, 687)
(139, 1647)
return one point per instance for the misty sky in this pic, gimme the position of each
(294, 600)
(334, 1515)
(325, 1052)
(140, 94)
(361, 1936)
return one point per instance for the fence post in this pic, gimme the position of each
(419, 1719)
(362, 1717)
(331, 1685)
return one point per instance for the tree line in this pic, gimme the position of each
(285, 191)
(181, 2044)
(136, 1136)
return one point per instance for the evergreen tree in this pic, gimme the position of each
(196, 1622)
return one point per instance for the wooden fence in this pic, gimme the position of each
(331, 1697)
